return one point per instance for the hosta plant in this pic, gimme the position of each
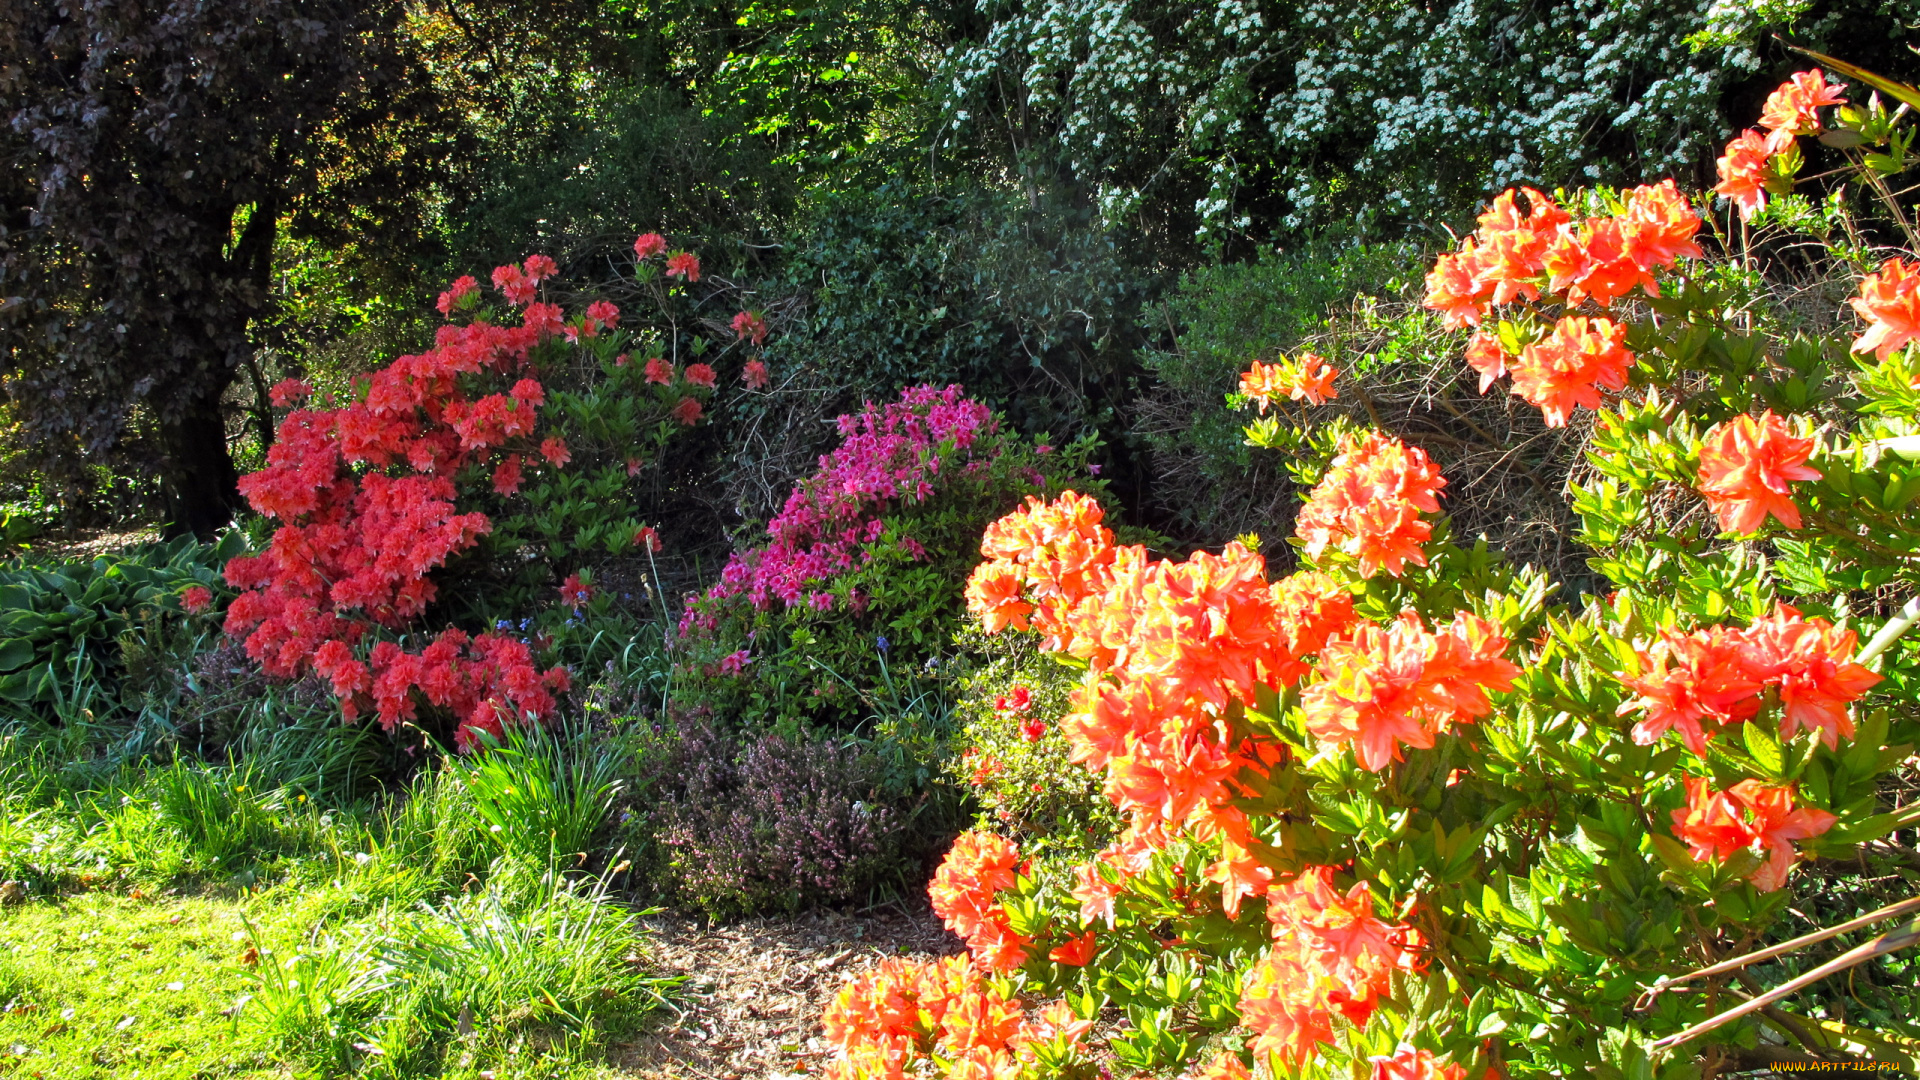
(1411, 811)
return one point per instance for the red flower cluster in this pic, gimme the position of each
(1719, 674)
(1793, 109)
(1408, 1063)
(1369, 504)
(901, 1010)
(1382, 687)
(1517, 257)
(196, 599)
(978, 866)
(751, 326)
(1747, 469)
(365, 499)
(1716, 824)
(1330, 955)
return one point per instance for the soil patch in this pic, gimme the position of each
(750, 1006)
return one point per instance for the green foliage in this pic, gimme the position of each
(1209, 486)
(62, 625)
(1034, 310)
(1016, 760)
(543, 795)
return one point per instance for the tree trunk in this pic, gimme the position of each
(203, 487)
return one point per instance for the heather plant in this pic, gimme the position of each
(756, 823)
(854, 590)
(1406, 810)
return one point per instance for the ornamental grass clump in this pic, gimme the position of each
(1402, 810)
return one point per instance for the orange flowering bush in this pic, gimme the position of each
(1405, 810)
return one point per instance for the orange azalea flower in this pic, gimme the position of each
(1794, 107)
(1314, 382)
(1410, 1064)
(1747, 469)
(1508, 262)
(978, 866)
(1077, 952)
(1224, 1065)
(1387, 686)
(1659, 226)
(993, 596)
(1453, 289)
(1263, 383)
(1811, 661)
(1308, 378)
(1330, 954)
(1890, 302)
(1687, 678)
(1567, 368)
(1486, 356)
(1310, 609)
(1743, 173)
(1716, 824)
(1369, 504)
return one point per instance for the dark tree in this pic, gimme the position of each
(152, 152)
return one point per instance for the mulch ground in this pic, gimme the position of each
(750, 1006)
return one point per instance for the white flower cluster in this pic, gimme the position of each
(1332, 110)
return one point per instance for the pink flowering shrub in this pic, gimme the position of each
(853, 582)
(497, 460)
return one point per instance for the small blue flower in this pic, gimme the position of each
(881, 642)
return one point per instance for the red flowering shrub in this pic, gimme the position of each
(431, 459)
(1403, 812)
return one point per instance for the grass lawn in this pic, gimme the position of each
(110, 985)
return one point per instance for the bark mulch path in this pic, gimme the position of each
(750, 1006)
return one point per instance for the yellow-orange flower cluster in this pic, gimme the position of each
(1747, 469)
(903, 1010)
(1716, 824)
(1369, 504)
(1384, 687)
(1718, 674)
(978, 866)
(1890, 302)
(1330, 955)
(1307, 378)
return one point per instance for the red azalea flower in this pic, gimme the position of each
(684, 264)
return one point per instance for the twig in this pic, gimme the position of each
(1890, 911)
(1880, 946)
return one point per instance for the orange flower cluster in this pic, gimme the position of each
(1514, 257)
(1716, 824)
(1719, 674)
(1369, 504)
(1330, 954)
(978, 866)
(1747, 469)
(1386, 686)
(1170, 647)
(1410, 1064)
(902, 1010)
(1306, 378)
(1890, 302)
(1793, 109)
